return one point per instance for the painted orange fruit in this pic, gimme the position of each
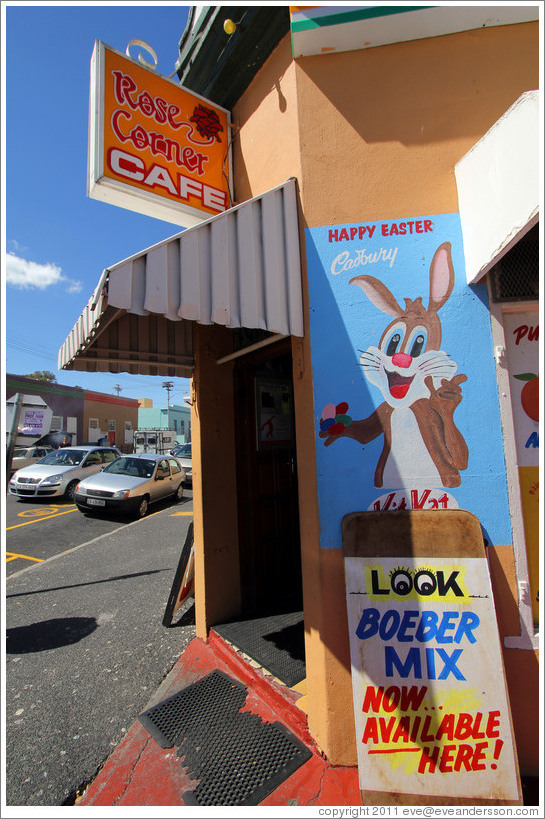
(529, 397)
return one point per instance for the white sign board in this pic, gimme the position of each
(32, 423)
(430, 701)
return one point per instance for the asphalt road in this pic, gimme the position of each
(86, 648)
(39, 529)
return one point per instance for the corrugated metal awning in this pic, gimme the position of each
(241, 268)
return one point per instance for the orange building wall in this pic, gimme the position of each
(266, 149)
(370, 135)
(109, 408)
(401, 117)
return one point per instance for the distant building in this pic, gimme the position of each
(145, 403)
(177, 417)
(110, 415)
(49, 407)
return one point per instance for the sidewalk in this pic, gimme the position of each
(140, 772)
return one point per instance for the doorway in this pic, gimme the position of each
(268, 508)
(270, 626)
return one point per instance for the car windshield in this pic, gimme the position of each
(184, 449)
(135, 467)
(64, 457)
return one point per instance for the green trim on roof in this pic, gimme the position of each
(39, 387)
(352, 17)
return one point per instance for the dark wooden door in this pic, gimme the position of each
(270, 551)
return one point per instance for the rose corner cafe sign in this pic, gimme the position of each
(154, 146)
(158, 149)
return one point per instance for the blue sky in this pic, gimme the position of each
(57, 241)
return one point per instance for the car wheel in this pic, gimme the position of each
(143, 507)
(71, 491)
(178, 495)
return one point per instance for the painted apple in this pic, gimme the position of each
(529, 397)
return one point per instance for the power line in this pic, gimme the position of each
(31, 349)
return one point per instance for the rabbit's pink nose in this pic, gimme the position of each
(402, 360)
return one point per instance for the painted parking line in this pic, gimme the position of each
(176, 514)
(38, 513)
(13, 556)
(39, 520)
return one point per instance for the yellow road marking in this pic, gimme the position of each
(175, 514)
(39, 520)
(38, 513)
(13, 556)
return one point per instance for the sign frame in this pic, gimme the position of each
(418, 592)
(115, 191)
(183, 585)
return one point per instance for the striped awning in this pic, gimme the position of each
(241, 268)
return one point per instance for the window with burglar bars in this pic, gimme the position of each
(516, 275)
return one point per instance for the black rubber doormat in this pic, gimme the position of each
(276, 642)
(237, 758)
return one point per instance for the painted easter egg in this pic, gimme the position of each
(329, 411)
(342, 408)
(326, 424)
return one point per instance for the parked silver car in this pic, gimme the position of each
(28, 455)
(183, 453)
(59, 472)
(131, 484)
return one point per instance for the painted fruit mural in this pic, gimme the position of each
(529, 397)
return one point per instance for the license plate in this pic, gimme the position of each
(95, 502)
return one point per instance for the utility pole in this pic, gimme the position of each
(117, 388)
(168, 385)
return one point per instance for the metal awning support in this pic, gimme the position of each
(240, 268)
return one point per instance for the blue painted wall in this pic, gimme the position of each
(439, 402)
(157, 418)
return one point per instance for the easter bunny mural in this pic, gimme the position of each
(422, 444)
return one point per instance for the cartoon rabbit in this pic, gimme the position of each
(422, 445)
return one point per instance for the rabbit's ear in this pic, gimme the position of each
(379, 294)
(441, 277)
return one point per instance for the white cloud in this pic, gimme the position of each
(26, 275)
(16, 246)
(73, 286)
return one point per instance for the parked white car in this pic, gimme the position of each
(27, 455)
(131, 483)
(58, 473)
